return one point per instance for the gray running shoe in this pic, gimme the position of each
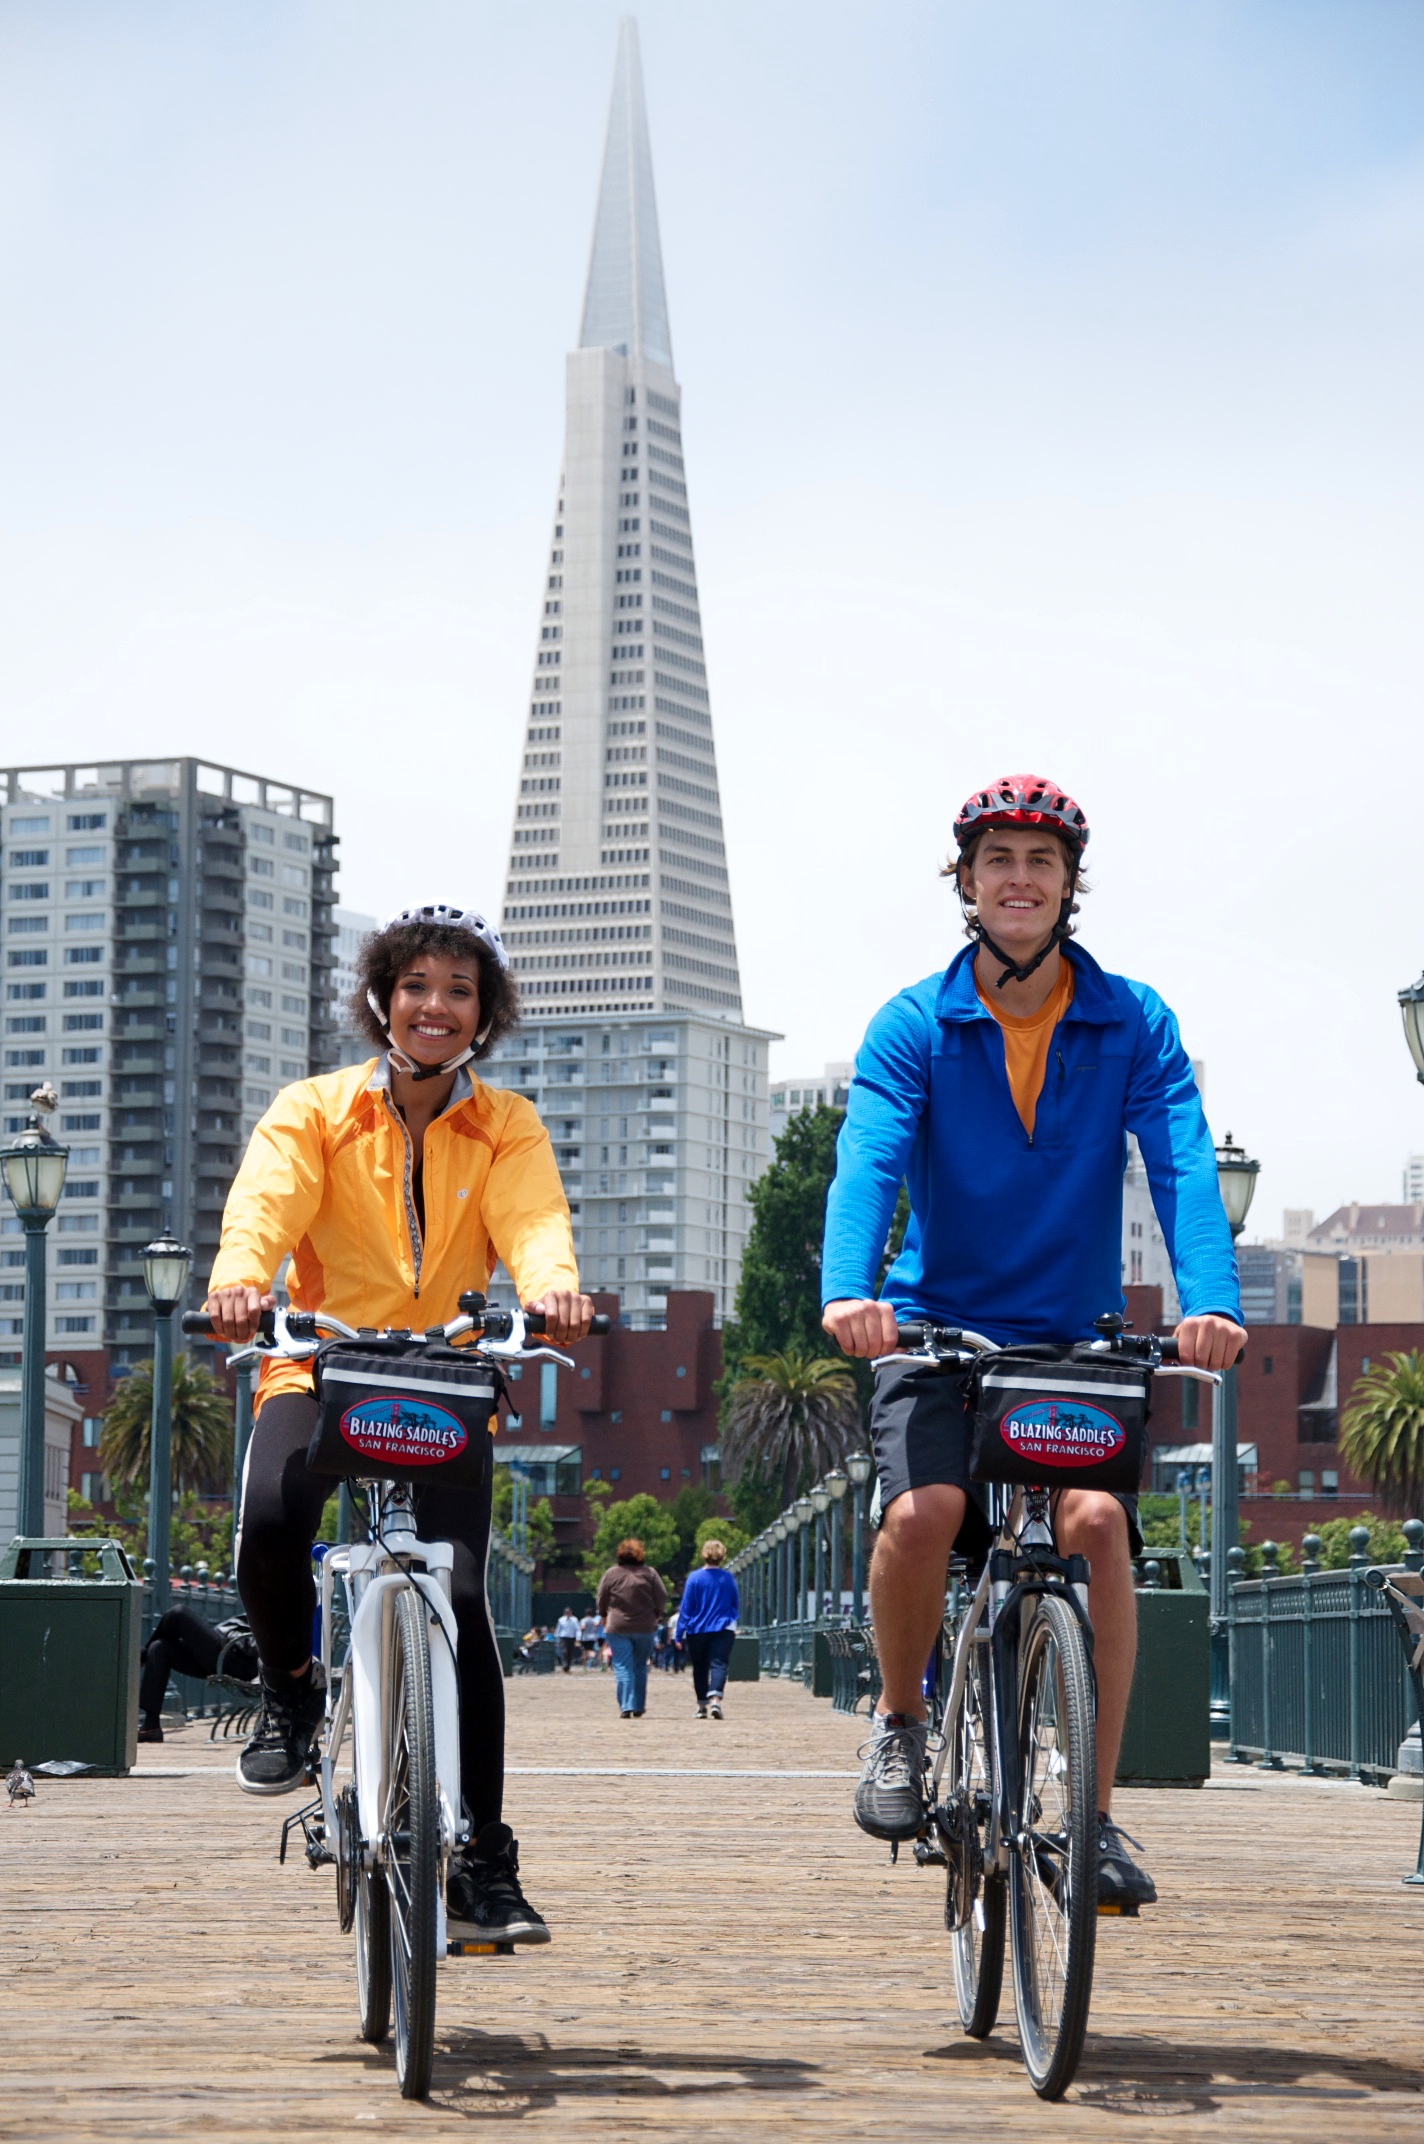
(890, 1800)
(1121, 1883)
(278, 1755)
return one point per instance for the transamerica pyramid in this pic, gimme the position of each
(617, 910)
(617, 896)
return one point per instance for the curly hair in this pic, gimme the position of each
(631, 1550)
(385, 956)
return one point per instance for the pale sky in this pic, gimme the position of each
(1051, 400)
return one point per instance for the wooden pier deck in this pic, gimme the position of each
(731, 1958)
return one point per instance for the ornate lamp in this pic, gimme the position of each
(1411, 1005)
(1236, 1176)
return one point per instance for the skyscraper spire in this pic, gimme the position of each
(617, 909)
(625, 304)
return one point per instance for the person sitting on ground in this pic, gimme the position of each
(707, 1627)
(631, 1597)
(185, 1643)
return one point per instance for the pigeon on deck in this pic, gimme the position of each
(19, 1783)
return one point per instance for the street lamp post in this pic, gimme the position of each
(165, 1276)
(778, 1570)
(1236, 1175)
(821, 1503)
(858, 1467)
(837, 1482)
(1411, 1005)
(805, 1511)
(34, 1169)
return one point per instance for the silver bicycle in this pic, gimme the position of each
(393, 1685)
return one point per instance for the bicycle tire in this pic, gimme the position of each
(411, 1842)
(975, 1904)
(373, 1954)
(1053, 1867)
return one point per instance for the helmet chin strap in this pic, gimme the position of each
(407, 1064)
(1020, 971)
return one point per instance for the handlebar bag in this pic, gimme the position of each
(1043, 1416)
(423, 1415)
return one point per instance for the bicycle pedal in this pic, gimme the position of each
(1117, 1912)
(459, 1949)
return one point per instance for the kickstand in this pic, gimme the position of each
(894, 1852)
(302, 1817)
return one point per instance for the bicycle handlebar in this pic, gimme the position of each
(302, 1324)
(1161, 1350)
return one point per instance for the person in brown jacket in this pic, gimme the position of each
(631, 1597)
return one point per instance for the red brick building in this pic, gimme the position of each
(638, 1410)
(1290, 1391)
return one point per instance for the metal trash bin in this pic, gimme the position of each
(745, 1663)
(69, 1650)
(1167, 1739)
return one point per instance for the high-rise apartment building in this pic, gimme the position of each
(352, 1047)
(617, 908)
(168, 952)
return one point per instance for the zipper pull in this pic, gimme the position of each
(1062, 1068)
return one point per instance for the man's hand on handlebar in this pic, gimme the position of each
(235, 1312)
(567, 1314)
(861, 1327)
(1210, 1342)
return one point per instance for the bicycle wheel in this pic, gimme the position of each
(974, 1906)
(373, 1953)
(411, 1841)
(1053, 1869)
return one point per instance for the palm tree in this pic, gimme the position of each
(202, 1427)
(1382, 1430)
(790, 1415)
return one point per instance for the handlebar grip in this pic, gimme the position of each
(909, 1335)
(534, 1322)
(1171, 1352)
(197, 1325)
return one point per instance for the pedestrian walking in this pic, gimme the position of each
(631, 1597)
(591, 1639)
(566, 1639)
(707, 1627)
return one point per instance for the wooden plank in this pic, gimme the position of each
(731, 1955)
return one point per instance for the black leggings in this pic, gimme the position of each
(281, 1511)
(187, 1644)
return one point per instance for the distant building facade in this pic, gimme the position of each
(169, 950)
(352, 1047)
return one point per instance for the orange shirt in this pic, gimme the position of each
(1026, 1043)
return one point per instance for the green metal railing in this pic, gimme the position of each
(1316, 1676)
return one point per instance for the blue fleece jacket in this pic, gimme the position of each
(710, 1601)
(1021, 1238)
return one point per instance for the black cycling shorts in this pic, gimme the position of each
(920, 1432)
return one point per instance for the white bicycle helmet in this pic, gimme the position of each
(441, 915)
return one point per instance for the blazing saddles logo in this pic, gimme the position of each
(1062, 1433)
(404, 1432)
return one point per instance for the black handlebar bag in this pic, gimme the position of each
(1058, 1421)
(418, 1415)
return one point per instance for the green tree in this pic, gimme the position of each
(541, 1514)
(755, 1500)
(202, 1428)
(1387, 1543)
(647, 1521)
(1382, 1431)
(790, 1416)
(726, 1531)
(692, 1504)
(778, 1305)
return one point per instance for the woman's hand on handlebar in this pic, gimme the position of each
(235, 1312)
(859, 1327)
(1210, 1342)
(566, 1314)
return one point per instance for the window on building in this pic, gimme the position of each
(1267, 1365)
(548, 1394)
(1329, 1482)
(1305, 1481)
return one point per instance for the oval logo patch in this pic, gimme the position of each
(1062, 1433)
(403, 1432)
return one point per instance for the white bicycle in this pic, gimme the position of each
(397, 1408)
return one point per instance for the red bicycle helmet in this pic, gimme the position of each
(1022, 800)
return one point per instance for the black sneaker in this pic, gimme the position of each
(1122, 1885)
(889, 1801)
(276, 1758)
(150, 1731)
(483, 1901)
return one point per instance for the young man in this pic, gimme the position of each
(1002, 1092)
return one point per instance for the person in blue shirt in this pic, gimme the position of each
(1001, 1092)
(706, 1625)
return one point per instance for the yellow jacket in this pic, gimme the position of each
(327, 1176)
